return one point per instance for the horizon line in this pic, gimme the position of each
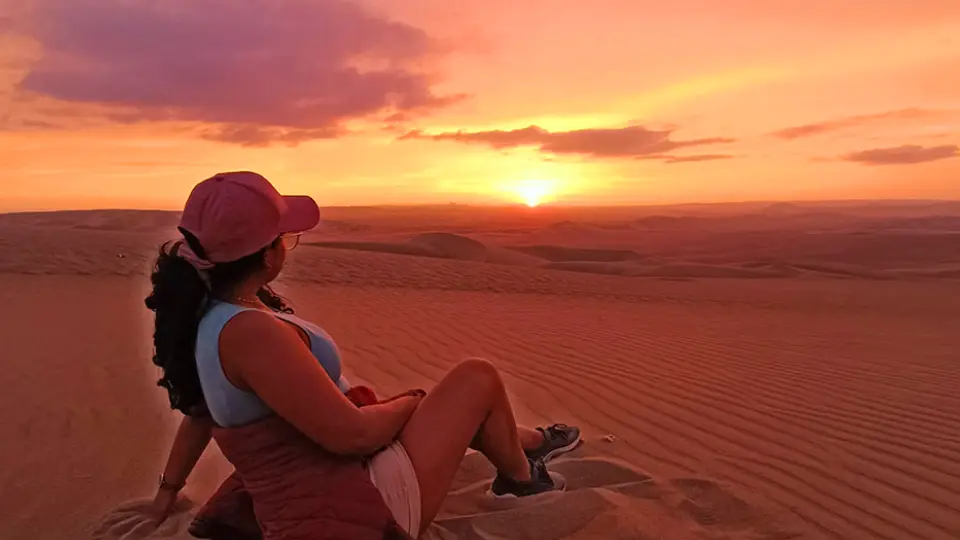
(521, 206)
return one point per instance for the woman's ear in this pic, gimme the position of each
(273, 257)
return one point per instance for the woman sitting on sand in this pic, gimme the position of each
(233, 354)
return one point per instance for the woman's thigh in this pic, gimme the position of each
(440, 430)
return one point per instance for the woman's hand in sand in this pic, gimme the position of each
(162, 505)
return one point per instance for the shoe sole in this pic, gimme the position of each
(563, 449)
(559, 484)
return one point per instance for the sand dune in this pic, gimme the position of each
(442, 246)
(605, 498)
(105, 220)
(608, 498)
(946, 271)
(669, 270)
(573, 254)
(629, 263)
(591, 261)
(397, 248)
(452, 246)
(741, 408)
(786, 240)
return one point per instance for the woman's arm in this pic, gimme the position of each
(262, 353)
(191, 440)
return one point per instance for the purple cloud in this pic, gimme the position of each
(903, 155)
(809, 130)
(626, 142)
(259, 71)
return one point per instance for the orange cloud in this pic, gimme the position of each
(903, 155)
(635, 142)
(697, 158)
(808, 130)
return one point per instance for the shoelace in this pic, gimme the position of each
(556, 430)
(538, 471)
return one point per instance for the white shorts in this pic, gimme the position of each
(396, 480)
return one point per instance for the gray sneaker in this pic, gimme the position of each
(541, 481)
(558, 439)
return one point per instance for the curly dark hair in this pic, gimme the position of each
(179, 299)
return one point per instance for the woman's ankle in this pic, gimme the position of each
(530, 439)
(524, 474)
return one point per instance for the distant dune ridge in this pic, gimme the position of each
(104, 220)
(780, 240)
(573, 254)
(736, 377)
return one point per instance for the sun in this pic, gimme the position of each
(533, 193)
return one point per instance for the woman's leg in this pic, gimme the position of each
(470, 398)
(544, 442)
(530, 439)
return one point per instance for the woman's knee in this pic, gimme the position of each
(479, 372)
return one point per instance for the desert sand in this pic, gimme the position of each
(755, 371)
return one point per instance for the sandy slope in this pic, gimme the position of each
(741, 408)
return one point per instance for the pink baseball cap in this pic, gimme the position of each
(235, 214)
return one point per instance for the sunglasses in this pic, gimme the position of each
(290, 241)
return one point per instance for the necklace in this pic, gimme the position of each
(250, 302)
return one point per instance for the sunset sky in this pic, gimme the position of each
(129, 103)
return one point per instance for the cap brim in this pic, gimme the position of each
(302, 214)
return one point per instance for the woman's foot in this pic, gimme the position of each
(541, 481)
(558, 439)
